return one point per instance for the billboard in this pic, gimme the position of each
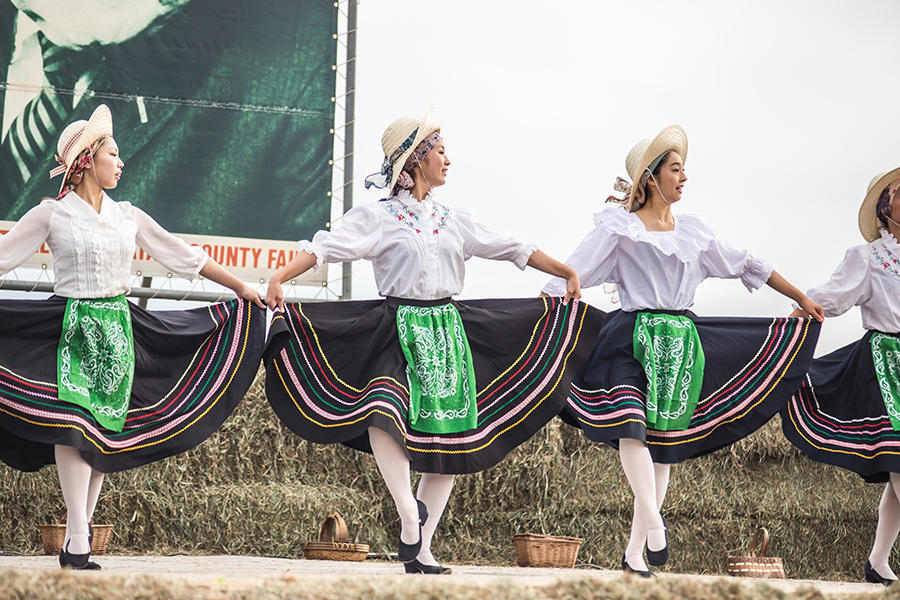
(222, 111)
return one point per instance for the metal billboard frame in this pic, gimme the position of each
(340, 195)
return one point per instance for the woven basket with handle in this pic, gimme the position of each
(534, 550)
(334, 542)
(53, 536)
(756, 563)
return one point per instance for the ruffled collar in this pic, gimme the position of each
(888, 241)
(687, 241)
(406, 197)
(886, 253)
(422, 217)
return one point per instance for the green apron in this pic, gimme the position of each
(439, 369)
(668, 348)
(886, 356)
(95, 358)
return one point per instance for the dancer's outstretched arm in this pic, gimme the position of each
(176, 255)
(216, 272)
(25, 238)
(300, 264)
(544, 262)
(808, 308)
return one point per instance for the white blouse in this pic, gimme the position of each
(92, 251)
(868, 277)
(420, 255)
(657, 269)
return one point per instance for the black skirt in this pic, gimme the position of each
(192, 367)
(838, 417)
(335, 369)
(752, 367)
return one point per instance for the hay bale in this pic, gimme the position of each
(255, 488)
(43, 585)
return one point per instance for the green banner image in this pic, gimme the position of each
(221, 108)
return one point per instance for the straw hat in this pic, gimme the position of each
(398, 142)
(646, 151)
(868, 220)
(76, 138)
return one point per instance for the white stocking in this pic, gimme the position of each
(661, 472)
(634, 551)
(434, 491)
(93, 493)
(640, 472)
(887, 529)
(394, 467)
(74, 479)
(656, 538)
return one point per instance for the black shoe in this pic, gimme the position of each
(872, 575)
(409, 552)
(627, 568)
(414, 566)
(81, 562)
(92, 566)
(658, 558)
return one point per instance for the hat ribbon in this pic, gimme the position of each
(383, 178)
(70, 143)
(621, 185)
(60, 169)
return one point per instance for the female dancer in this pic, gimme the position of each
(663, 384)
(847, 411)
(421, 380)
(91, 381)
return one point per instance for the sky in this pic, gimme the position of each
(790, 108)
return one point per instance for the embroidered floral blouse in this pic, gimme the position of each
(657, 269)
(868, 277)
(418, 249)
(92, 252)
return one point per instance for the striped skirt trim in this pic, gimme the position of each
(752, 365)
(838, 416)
(335, 369)
(191, 369)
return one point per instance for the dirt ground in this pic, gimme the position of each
(244, 572)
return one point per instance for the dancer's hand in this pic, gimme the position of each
(248, 293)
(275, 295)
(216, 272)
(573, 287)
(812, 309)
(302, 262)
(798, 312)
(551, 266)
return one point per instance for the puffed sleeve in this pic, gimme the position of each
(480, 241)
(594, 259)
(848, 285)
(26, 236)
(356, 236)
(170, 250)
(722, 259)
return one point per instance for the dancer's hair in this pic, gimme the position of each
(643, 191)
(76, 175)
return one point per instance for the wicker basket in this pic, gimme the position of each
(533, 550)
(334, 542)
(53, 536)
(756, 563)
